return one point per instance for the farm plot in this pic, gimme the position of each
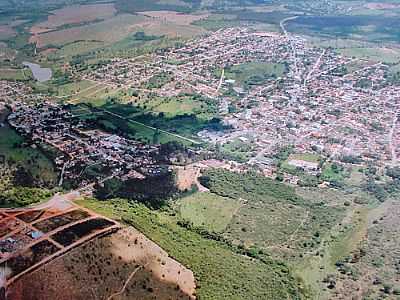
(28, 258)
(386, 55)
(61, 220)
(8, 225)
(15, 74)
(30, 216)
(75, 14)
(109, 31)
(75, 232)
(175, 17)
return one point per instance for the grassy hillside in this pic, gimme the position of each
(220, 270)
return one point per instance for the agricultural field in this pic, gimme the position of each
(6, 32)
(371, 28)
(111, 259)
(386, 55)
(75, 14)
(175, 17)
(15, 74)
(109, 31)
(135, 6)
(215, 22)
(208, 210)
(67, 51)
(220, 271)
(78, 29)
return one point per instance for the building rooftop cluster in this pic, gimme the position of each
(84, 155)
(326, 103)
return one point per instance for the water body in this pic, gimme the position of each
(39, 73)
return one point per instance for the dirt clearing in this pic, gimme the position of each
(122, 265)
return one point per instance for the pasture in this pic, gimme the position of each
(273, 216)
(385, 55)
(15, 74)
(208, 210)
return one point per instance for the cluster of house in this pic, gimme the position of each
(326, 103)
(84, 155)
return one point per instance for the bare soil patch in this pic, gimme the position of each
(377, 5)
(75, 14)
(6, 32)
(103, 266)
(174, 17)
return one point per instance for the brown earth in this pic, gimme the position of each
(375, 5)
(123, 265)
(188, 176)
(174, 17)
(75, 14)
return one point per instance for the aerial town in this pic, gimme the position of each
(326, 103)
(322, 103)
(199, 149)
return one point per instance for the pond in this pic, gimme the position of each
(39, 73)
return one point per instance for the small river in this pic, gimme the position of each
(39, 73)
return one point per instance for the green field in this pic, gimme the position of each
(125, 124)
(332, 173)
(220, 271)
(386, 55)
(218, 21)
(186, 104)
(253, 73)
(74, 88)
(237, 150)
(308, 157)
(11, 147)
(23, 196)
(15, 74)
(273, 217)
(76, 48)
(208, 210)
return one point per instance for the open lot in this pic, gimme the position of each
(128, 265)
(254, 73)
(208, 210)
